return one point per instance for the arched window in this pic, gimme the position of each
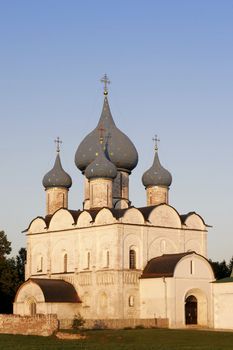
(40, 264)
(132, 259)
(32, 308)
(131, 300)
(65, 262)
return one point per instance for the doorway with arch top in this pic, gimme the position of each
(191, 310)
(196, 308)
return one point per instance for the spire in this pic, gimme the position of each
(106, 81)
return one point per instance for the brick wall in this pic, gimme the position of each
(26, 325)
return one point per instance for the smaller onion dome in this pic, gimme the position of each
(57, 177)
(157, 175)
(101, 167)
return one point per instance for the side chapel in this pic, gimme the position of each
(111, 260)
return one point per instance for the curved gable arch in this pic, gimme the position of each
(61, 219)
(27, 292)
(104, 217)
(195, 222)
(37, 225)
(165, 216)
(201, 267)
(161, 245)
(133, 216)
(84, 219)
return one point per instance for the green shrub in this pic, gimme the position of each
(99, 324)
(139, 326)
(78, 322)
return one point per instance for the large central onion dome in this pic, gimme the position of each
(119, 149)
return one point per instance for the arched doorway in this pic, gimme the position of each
(191, 310)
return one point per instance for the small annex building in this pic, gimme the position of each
(177, 287)
(110, 260)
(47, 296)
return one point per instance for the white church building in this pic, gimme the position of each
(111, 260)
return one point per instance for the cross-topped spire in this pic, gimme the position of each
(156, 141)
(106, 81)
(58, 143)
(101, 132)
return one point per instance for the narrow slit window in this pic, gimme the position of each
(191, 267)
(107, 259)
(88, 260)
(65, 262)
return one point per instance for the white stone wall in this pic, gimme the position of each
(223, 305)
(97, 253)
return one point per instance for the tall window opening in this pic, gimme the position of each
(33, 308)
(40, 264)
(191, 267)
(131, 301)
(132, 259)
(88, 260)
(107, 259)
(65, 262)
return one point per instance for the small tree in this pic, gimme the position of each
(20, 263)
(5, 245)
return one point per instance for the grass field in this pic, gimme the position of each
(141, 339)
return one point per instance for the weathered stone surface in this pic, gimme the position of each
(43, 325)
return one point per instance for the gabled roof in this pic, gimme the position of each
(56, 291)
(163, 266)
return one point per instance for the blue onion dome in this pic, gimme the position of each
(119, 149)
(101, 167)
(157, 175)
(57, 177)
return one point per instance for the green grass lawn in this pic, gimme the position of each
(141, 339)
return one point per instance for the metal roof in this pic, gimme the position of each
(163, 266)
(57, 291)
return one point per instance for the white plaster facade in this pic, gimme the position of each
(91, 250)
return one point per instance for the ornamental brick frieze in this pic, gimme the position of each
(84, 279)
(131, 277)
(105, 278)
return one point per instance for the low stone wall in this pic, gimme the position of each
(119, 323)
(44, 325)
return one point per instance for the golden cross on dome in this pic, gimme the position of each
(106, 81)
(156, 141)
(101, 131)
(58, 143)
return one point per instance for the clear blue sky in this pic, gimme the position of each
(170, 63)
